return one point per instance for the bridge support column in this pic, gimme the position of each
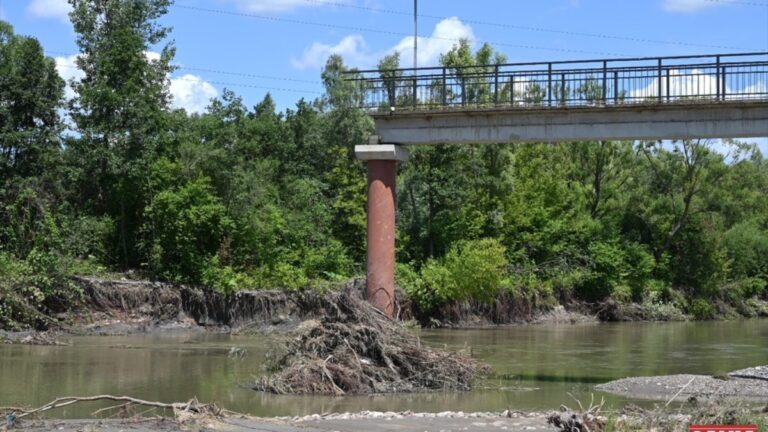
(382, 202)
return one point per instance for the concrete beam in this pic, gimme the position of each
(391, 152)
(615, 122)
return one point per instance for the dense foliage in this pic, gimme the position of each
(241, 197)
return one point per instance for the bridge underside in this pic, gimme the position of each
(617, 122)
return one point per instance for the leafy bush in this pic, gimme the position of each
(701, 309)
(607, 267)
(225, 278)
(184, 228)
(33, 287)
(28, 221)
(473, 269)
(747, 247)
(86, 237)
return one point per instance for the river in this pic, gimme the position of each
(535, 366)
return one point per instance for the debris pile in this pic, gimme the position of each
(355, 349)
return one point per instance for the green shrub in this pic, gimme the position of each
(407, 278)
(27, 221)
(606, 270)
(639, 268)
(473, 269)
(225, 278)
(701, 309)
(747, 247)
(86, 237)
(282, 275)
(743, 289)
(39, 284)
(184, 228)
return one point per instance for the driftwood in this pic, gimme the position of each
(585, 420)
(193, 406)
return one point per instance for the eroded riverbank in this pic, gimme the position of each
(123, 306)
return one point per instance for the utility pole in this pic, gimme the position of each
(415, 35)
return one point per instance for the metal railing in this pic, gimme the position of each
(566, 84)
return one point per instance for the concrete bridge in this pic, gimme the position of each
(653, 98)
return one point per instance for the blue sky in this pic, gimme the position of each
(280, 45)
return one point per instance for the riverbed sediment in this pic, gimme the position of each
(345, 422)
(693, 387)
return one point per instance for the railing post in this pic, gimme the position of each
(668, 82)
(717, 77)
(724, 89)
(549, 84)
(445, 88)
(605, 82)
(463, 91)
(563, 91)
(415, 88)
(616, 87)
(512, 90)
(661, 93)
(496, 87)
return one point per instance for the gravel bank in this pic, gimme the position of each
(757, 372)
(698, 386)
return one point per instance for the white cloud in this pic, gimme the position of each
(58, 9)
(192, 93)
(353, 48)
(357, 53)
(446, 34)
(687, 6)
(68, 70)
(152, 56)
(760, 87)
(695, 82)
(282, 6)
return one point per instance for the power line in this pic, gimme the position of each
(228, 84)
(247, 75)
(369, 30)
(217, 71)
(521, 27)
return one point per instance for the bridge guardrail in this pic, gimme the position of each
(565, 84)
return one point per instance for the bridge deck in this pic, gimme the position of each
(669, 121)
(641, 98)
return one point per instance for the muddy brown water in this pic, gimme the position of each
(535, 366)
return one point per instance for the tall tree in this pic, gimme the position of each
(120, 107)
(31, 92)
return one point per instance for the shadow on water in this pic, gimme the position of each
(584, 379)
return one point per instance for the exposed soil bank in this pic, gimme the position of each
(117, 307)
(699, 387)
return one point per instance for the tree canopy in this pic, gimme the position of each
(255, 197)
